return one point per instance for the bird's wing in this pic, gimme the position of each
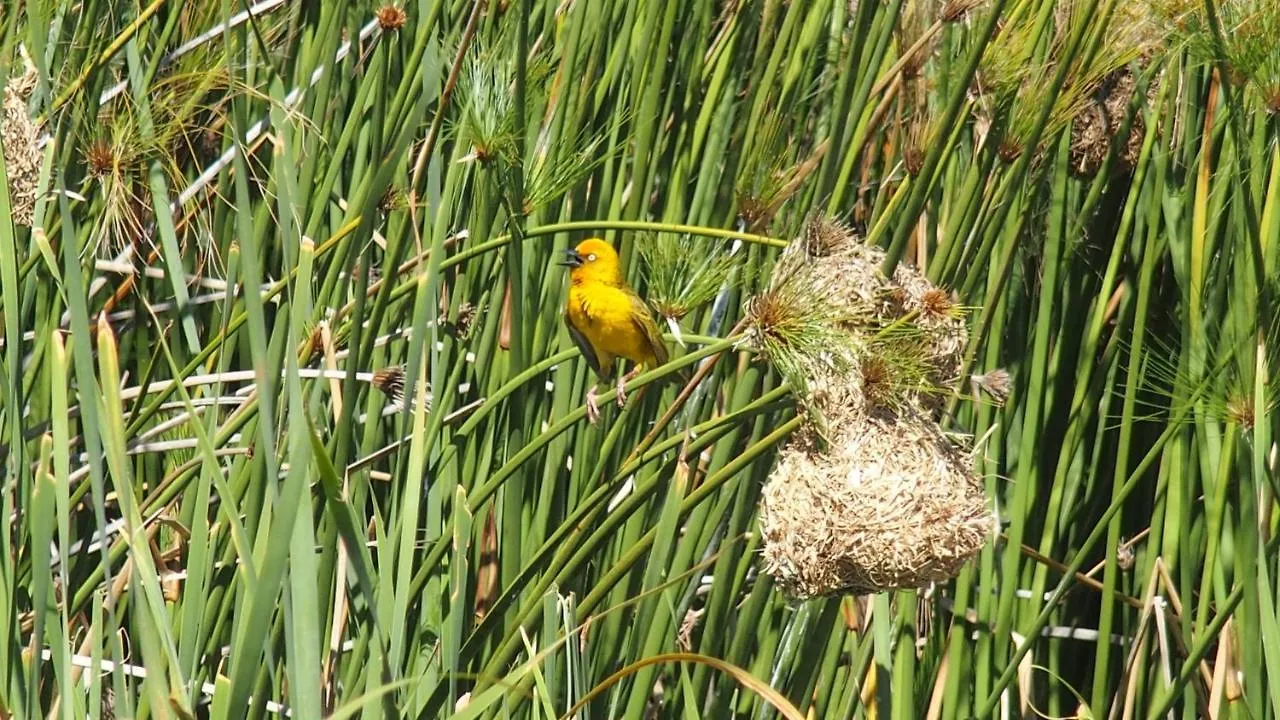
(643, 320)
(588, 352)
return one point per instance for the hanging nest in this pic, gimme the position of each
(21, 137)
(894, 504)
(870, 495)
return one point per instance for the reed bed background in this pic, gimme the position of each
(289, 420)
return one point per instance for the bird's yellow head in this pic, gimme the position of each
(593, 261)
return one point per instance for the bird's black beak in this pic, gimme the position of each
(572, 258)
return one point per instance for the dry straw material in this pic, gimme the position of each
(871, 495)
(20, 136)
(892, 504)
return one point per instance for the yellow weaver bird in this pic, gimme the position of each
(607, 319)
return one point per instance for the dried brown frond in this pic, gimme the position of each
(390, 380)
(995, 383)
(956, 10)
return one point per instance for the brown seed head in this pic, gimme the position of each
(391, 17)
(936, 302)
(913, 158)
(99, 158)
(1240, 412)
(877, 380)
(768, 311)
(1009, 150)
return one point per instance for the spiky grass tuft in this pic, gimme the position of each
(1248, 48)
(1012, 92)
(685, 273)
(773, 170)
(552, 172)
(485, 94)
(795, 326)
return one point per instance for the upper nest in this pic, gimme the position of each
(830, 317)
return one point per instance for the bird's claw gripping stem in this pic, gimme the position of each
(593, 408)
(620, 391)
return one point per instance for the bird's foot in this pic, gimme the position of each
(593, 408)
(620, 391)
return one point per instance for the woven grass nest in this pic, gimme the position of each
(20, 137)
(870, 495)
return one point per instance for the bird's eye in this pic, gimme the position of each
(591, 257)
